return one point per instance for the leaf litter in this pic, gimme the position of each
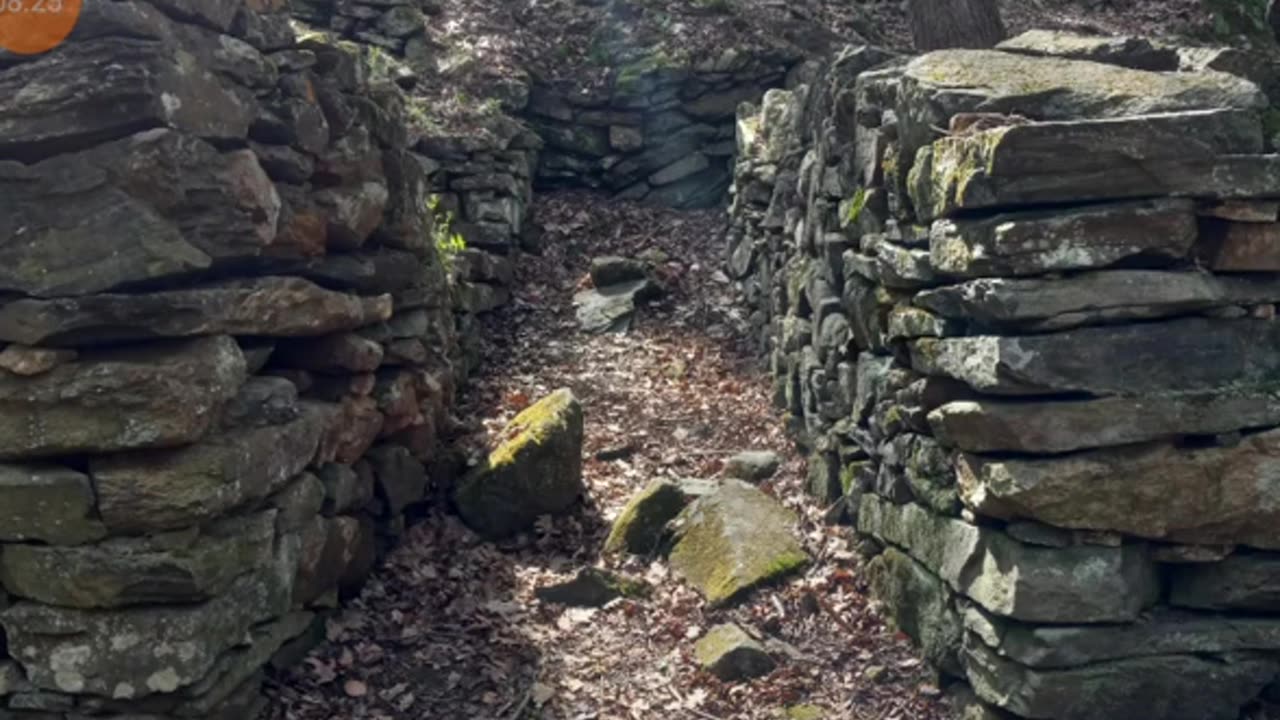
(449, 627)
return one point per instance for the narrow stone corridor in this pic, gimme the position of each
(451, 627)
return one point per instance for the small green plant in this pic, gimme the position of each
(448, 243)
(856, 205)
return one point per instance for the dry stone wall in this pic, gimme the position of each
(481, 169)
(655, 129)
(1021, 308)
(227, 353)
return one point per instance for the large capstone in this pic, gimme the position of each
(1206, 153)
(734, 540)
(535, 470)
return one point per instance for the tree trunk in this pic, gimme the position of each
(939, 24)
(1273, 17)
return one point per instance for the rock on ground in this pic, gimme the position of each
(641, 525)
(753, 465)
(733, 540)
(536, 470)
(730, 654)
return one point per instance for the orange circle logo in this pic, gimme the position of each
(29, 27)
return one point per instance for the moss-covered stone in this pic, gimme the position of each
(641, 525)
(535, 470)
(733, 540)
(730, 654)
(593, 587)
(919, 603)
(805, 712)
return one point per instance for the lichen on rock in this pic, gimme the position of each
(536, 469)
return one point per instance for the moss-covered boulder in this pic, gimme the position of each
(641, 525)
(730, 654)
(536, 469)
(733, 540)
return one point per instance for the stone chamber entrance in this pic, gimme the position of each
(392, 359)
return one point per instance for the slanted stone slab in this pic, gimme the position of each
(937, 86)
(730, 654)
(1185, 355)
(1212, 496)
(1162, 632)
(172, 489)
(274, 306)
(921, 606)
(734, 540)
(1036, 584)
(611, 308)
(1198, 153)
(992, 425)
(642, 524)
(1131, 52)
(47, 503)
(134, 653)
(536, 469)
(176, 568)
(1244, 581)
(592, 587)
(1041, 241)
(1161, 687)
(1242, 246)
(1040, 304)
(149, 396)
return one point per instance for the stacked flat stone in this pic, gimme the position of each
(482, 174)
(226, 345)
(658, 130)
(1023, 311)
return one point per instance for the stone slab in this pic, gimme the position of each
(1011, 579)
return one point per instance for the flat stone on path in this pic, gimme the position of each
(611, 308)
(753, 466)
(592, 587)
(730, 654)
(734, 540)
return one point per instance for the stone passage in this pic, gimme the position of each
(1023, 310)
(228, 350)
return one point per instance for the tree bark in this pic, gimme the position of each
(940, 24)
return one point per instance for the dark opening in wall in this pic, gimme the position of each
(655, 130)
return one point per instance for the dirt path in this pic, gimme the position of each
(449, 628)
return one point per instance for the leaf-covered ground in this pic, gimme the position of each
(449, 627)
